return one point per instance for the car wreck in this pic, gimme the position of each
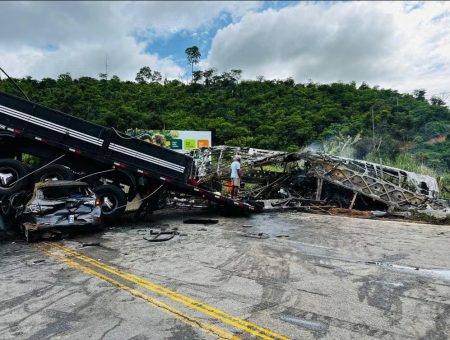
(58, 206)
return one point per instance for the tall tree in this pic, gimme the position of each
(144, 75)
(193, 57)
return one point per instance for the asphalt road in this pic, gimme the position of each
(315, 276)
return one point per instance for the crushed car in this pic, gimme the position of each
(59, 206)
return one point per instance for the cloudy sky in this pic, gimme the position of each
(403, 45)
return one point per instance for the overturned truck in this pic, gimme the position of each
(39, 144)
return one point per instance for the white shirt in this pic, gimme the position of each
(235, 166)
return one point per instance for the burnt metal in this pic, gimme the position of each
(318, 181)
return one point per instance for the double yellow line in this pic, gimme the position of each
(70, 255)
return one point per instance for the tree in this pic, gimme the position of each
(65, 77)
(289, 81)
(156, 77)
(193, 57)
(436, 101)
(197, 76)
(364, 86)
(144, 75)
(208, 75)
(419, 94)
(236, 74)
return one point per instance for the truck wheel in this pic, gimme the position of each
(114, 200)
(10, 171)
(53, 172)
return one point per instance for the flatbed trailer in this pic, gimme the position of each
(86, 148)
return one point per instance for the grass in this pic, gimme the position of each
(410, 163)
(406, 162)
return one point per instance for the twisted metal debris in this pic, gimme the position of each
(322, 181)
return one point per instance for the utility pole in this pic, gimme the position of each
(106, 67)
(373, 128)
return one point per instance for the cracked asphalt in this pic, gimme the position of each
(314, 277)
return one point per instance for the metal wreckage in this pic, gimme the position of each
(320, 182)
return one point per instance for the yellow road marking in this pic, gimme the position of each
(244, 325)
(159, 304)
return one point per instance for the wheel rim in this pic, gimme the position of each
(109, 204)
(8, 176)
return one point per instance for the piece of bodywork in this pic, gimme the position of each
(57, 206)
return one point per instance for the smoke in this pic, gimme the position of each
(336, 146)
(315, 147)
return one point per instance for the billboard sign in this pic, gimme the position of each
(178, 140)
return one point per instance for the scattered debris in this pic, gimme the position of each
(200, 221)
(162, 234)
(91, 244)
(161, 237)
(247, 226)
(255, 235)
(378, 213)
(38, 261)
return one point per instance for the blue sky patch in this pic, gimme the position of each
(173, 45)
(51, 47)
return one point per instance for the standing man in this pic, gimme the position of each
(235, 176)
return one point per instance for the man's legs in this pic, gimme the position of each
(234, 191)
(235, 188)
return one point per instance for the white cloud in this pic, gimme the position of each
(162, 18)
(404, 45)
(125, 57)
(398, 44)
(45, 39)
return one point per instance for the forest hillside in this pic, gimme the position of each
(376, 124)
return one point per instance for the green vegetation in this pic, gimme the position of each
(400, 129)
